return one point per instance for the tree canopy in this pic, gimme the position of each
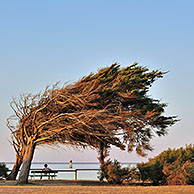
(110, 107)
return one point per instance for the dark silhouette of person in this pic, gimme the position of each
(46, 168)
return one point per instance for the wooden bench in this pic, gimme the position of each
(40, 173)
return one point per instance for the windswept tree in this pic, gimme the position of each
(52, 119)
(111, 107)
(21, 109)
(19, 150)
(125, 91)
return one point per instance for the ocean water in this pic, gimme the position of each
(81, 174)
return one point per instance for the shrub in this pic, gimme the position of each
(188, 168)
(151, 171)
(172, 167)
(114, 174)
(179, 174)
(3, 171)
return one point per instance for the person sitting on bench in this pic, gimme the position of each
(46, 168)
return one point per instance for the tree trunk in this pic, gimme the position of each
(101, 160)
(27, 159)
(15, 170)
(101, 154)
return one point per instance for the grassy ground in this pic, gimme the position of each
(87, 187)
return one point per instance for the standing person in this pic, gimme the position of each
(70, 164)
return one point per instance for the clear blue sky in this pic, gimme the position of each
(44, 41)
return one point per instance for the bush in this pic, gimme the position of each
(3, 171)
(151, 171)
(114, 174)
(179, 174)
(172, 167)
(188, 168)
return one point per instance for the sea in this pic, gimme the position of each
(91, 171)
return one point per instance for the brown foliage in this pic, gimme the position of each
(101, 107)
(110, 107)
(172, 167)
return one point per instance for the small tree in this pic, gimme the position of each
(113, 172)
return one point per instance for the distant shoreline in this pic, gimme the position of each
(68, 162)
